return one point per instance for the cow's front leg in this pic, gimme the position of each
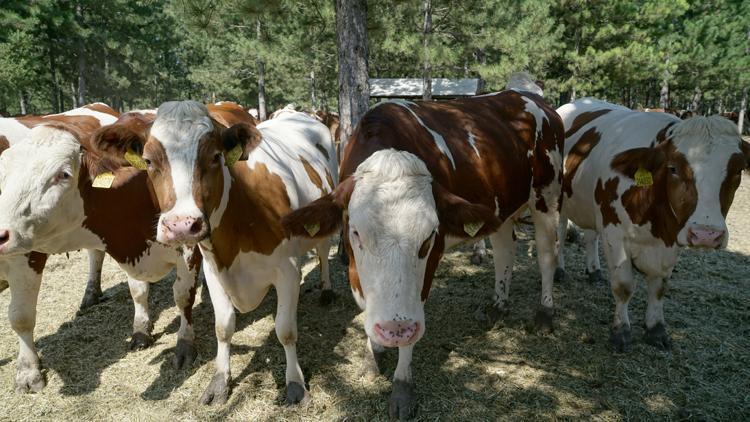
(593, 267)
(326, 294)
(656, 329)
(503, 254)
(287, 291)
(93, 291)
(545, 234)
(24, 292)
(623, 286)
(373, 362)
(184, 297)
(142, 325)
(217, 391)
(403, 401)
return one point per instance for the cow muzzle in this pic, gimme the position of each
(396, 333)
(178, 229)
(702, 236)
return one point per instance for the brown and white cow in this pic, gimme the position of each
(87, 118)
(648, 183)
(233, 211)
(419, 177)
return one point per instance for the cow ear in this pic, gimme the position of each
(322, 217)
(238, 141)
(4, 144)
(115, 146)
(461, 218)
(630, 161)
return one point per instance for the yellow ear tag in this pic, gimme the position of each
(312, 228)
(135, 160)
(231, 156)
(473, 228)
(643, 177)
(103, 181)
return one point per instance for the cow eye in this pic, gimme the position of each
(217, 157)
(59, 177)
(147, 161)
(673, 170)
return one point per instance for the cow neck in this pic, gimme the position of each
(123, 216)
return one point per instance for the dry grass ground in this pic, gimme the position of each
(464, 371)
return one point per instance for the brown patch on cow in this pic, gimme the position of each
(36, 261)
(188, 309)
(102, 108)
(605, 195)
(731, 181)
(160, 174)
(329, 179)
(354, 281)
(576, 155)
(4, 144)
(583, 119)
(670, 200)
(81, 124)
(622, 292)
(541, 204)
(228, 114)
(661, 136)
(252, 220)
(107, 146)
(323, 151)
(312, 174)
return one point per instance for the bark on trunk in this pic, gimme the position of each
(696, 100)
(427, 66)
(354, 86)
(81, 99)
(572, 94)
(312, 89)
(664, 93)
(743, 108)
(261, 78)
(55, 100)
(22, 101)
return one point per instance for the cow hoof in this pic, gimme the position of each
(217, 391)
(559, 275)
(620, 338)
(327, 296)
(596, 277)
(29, 380)
(4, 285)
(658, 337)
(296, 393)
(403, 402)
(90, 298)
(184, 354)
(490, 314)
(139, 341)
(543, 320)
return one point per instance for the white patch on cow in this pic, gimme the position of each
(215, 218)
(473, 142)
(438, 138)
(104, 118)
(490, 94)
(391, 213)
(13, 130)
(538, 114)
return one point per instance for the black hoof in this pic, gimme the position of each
(90, 298)
(489, 314)
(4, 285)
(403, 402)
(184, 354)
(658, 337)
(621, 339)
(140, 341)
(217, 391)
(295, 393)
(327, 297)
(596, 277)
(543, 320)
(559, 275)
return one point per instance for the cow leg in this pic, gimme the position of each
(217, 391)
(562, 230)
(623, 286)
(142, 325)
(593, 267)
(374, 354)
(545, 235)
(403, 402)
(94, 286)
(656, 329)
(184, 296)
(24, 293)
(503, 254)
(326, 293)
(287, 292)
(479, 252)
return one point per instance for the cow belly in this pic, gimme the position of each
(155, 263)
(248, 279)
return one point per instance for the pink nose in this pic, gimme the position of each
(184, 229)
(396, 333)
(705, 236)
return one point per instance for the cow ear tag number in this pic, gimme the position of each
(135, 160)
(104, 180)
(473, 228)
(312, 228)
(643, 177)
(231, 156)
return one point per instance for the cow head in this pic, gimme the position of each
(186, 154)
(39, 196)
(695, 170)
(396, 219)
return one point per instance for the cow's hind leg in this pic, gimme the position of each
(287, 291)
(142, 324)
(478, 252)
(593, 267)
(184, 289)
(403, 401)
(503, 254)
(326, 293)
(545, 234)
(93, 291)
(562, 230)
(656, 329)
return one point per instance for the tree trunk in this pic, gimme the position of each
(696, 100)
(743, 108)
(22, 101)
(73, 93)
(664, 93)
(55, 101)
(427, 66)
(81, 100)
(261, 78)
(354, 86)
(572, 94)
(312, 90)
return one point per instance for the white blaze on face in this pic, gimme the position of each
(39, 196)
(179, 127)
(391, 215)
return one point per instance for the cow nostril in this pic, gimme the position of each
(196, 226)
(4, 236)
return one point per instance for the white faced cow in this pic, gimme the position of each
(419, 177)
(648, 183)
(232, 209)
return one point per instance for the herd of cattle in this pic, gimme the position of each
(195, 187)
